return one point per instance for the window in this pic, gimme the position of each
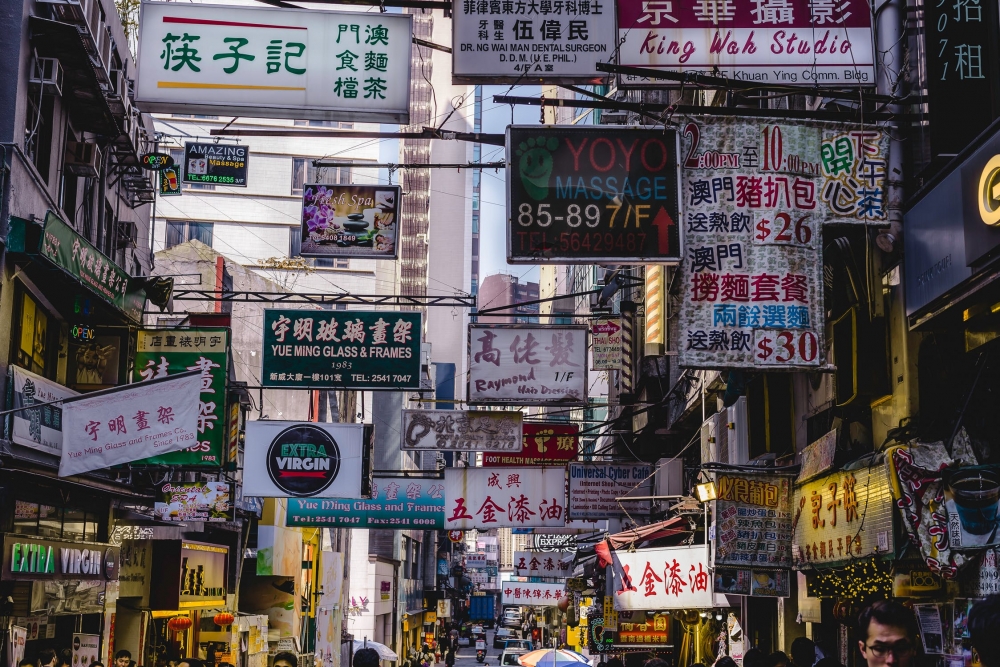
(343, 125)
(178, 155)
(38, 133)
(56, 522)
(304, 172)
(415, 572)
(34, 342)
(182, 231)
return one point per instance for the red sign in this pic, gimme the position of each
(543, 444)
(456, 536)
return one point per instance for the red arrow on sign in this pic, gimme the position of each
(663, 222)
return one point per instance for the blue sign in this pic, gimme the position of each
(395, 503)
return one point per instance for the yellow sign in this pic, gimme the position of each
(988, 195)
(430, 617)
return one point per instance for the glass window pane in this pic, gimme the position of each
(294, 241)
(298, 174)
(175, 233)
(73, 524)
(201, 231)
(25, 518)
(90, 526)
(49, 521)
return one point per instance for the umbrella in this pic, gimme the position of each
(551, 657)
(384, 652)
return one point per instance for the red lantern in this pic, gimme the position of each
(224, 618)
(179, 623)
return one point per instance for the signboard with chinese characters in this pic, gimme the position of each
(218, 164)
(475, 560)
(550, 443)
(608, 194)
(663, 578)
(193, 501)
(606, 341)
(396, 503)
(643, 631)
(561, 42)
(984, 577)
(805, 42)
(753, 515)
(756, 196)
(504, 497)
(843, 516)
(350, 220)
(527, 365)
(262, 62)
(550, 564)
(595, 487)
(462, 430)
(39, 428)
(532, 595)
(354, 349)
(163, 352)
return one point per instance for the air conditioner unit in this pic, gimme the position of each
(722, 435)
(82, 158)
(669, 478)
(47, 74)
(738, 432)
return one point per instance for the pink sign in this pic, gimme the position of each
(504, 497)
(533, 595)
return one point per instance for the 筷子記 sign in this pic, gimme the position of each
(262, 62)
(662, 578)
(606, 341)
(800, 42)
(395, 504)
(504, 497)
(527, 364)
(500, 43)
(579, 193)
(754, 520)
(218, 164)
(544, 444)
(350, 220)
(341, 349)
(594, 490)
(462, 430)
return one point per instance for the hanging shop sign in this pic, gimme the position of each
(475, 561)
(843, 516)
(985, 578)
(606, 341)
(164, 352)
(155, 161)
(498, 43)
(592, 193)
(551, 564)
(756, 195)
(462, 430)
(504, 497)
(549, 543)
(86, 648)
(972, 501)
(365, 350)
(38, 428)
(444, 608)
(218, 164)
(752, 582)
(350, 221)
(395, 504)
(170, 181)
(753, 520)
(664, 578)
(284, 459)
(129, 423)
(544, 444)
(193, 501)
(249, 61)
(27, 558)
(793, 42)
(651, 630)
(527, 365)
(594, 489)
(78, 257)
(817, 457)
(532, 595)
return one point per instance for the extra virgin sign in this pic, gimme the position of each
(579, 193)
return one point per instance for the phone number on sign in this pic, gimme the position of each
(576, 241)
(210, 178)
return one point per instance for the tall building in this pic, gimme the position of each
(502, 290)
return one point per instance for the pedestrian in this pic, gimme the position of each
(286, 659)
(96, 663)
(777, 659)
(122, 658)
(725, 661)
(26, 663)
(887, 634)
(449, 658)
(754, 658)
(803, 652)
(984, 621)
(365, 657)
(189, 662)
(47, 658)
(66, 657)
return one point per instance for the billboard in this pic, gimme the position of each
(595, 487)
(504, 497)
(753, 515)
(544, 443)
(462, 430)
(218, 164)
(527, 364)
(350, 221)
(341, 349)
(193, 501)
(563, 42)
(604, 193)
(262, 62)
(395, 503)
(804, 42)
(662, 578)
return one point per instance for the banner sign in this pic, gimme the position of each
(550, 564)
(532, 595)
(543, 444)
(284, 459)
(219, 164)
(86, 649)
(757, 194)
(129, 423)
(606, 340)
(194, 501)
(504, 497)
(163, 352)
(353, 349)
(843, 517)
(39, 428)
(29, 558)
(350, 220)
(261, 62)
(789, 42)
(663, 578)
(755, 583)
(475, 560)
(602, 193)
(594, 488)
(753, 520)
(527, 365)
(462, 430)
(396, 503)
(499, 43)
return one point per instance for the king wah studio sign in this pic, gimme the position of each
(30, 559)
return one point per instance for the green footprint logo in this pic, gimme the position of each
(535, 165)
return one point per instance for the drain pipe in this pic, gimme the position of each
(889, 81)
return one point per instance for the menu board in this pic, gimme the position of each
(754, 515)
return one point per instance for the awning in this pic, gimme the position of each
(653, 531)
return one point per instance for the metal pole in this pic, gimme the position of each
(889, 66)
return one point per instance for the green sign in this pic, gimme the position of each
(395, 504)
(170, 181)
(162, 352)
(347, 349)
(74, 254)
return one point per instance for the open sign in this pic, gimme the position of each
(156, 161)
